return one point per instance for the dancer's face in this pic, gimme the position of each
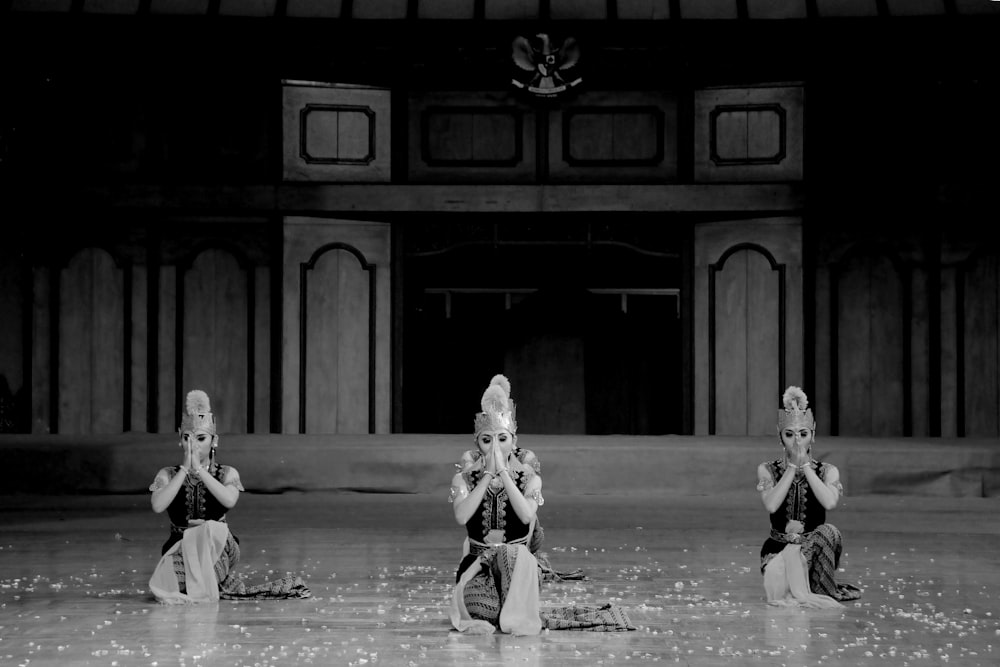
(797, 440)
(502, 438)
(201, 442)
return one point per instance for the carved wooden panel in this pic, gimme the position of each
(336, 339)
(111, 6)
(602, 136)
(742, 134)
(465, 137)
(870, 345)
(506, 9)
(14, 285)
(335, 133)
(776, 9)
(92, 359)
(446, 9)
(214, 335)
(578, 9)
(260, 403)
(748, 134)
(379, 9)
(708, 9)
(247, 7)
(978, 399)
(317, 8)
(747, 346)
(614, 137)
(841, 8)
(140, 420)
(337, 317)
(178, 6)
(975, 7)
(644, 9)
(213, 328)
(167, 389)
(915, 7)
(472, 136)
(41, 5)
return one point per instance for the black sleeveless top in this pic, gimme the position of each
(800, 505)
(194, 501)
(495, 512)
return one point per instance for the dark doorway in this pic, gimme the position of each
(582, 316)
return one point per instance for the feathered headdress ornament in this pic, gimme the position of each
(498, 407)
(198, 413)
(796, 412)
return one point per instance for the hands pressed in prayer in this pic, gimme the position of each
(798, 454)
(500, 462)
(489, 460)
(190, 460)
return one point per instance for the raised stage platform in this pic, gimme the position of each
(420, 463)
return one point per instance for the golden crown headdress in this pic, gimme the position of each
(198, 413)
(498, 407)
(796, 413)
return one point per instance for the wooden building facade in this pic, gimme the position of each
(344, 217)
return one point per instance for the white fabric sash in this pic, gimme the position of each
(201, 546)
(520, 612)
(787, 585)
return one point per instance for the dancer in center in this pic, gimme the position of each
(799, 560)
(496, 495)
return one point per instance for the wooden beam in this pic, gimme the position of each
(558, 198)
(389, 198)
(541, 198)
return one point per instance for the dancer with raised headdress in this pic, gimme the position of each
(496, 495)
(200, 555)
(800, 558)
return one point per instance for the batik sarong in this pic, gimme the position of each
(200, 568)
(500, 590)
(803, 573)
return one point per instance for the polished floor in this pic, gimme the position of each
(74, 569)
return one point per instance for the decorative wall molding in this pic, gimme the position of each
(749, 134)
(655, 143)
(720, 113)
(463, 136)
(311, 112)
(335, 132)
(430, 135)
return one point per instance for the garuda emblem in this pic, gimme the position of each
(548, 68)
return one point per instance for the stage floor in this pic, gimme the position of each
(74, 572)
